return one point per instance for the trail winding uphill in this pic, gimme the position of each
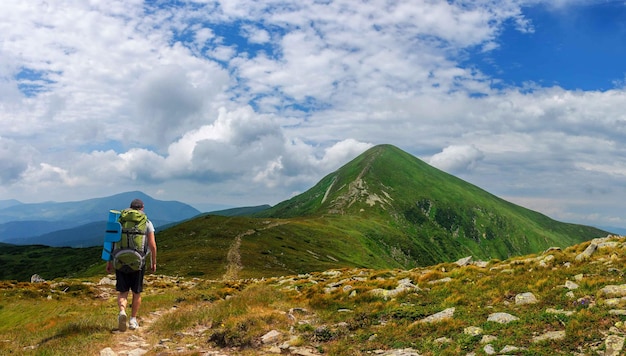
(234, 257)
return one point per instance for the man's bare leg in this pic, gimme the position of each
(136, 304)
(122, 302)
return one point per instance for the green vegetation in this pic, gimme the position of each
(340, 311)
(21, 262)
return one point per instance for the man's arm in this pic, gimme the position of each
(153, 250)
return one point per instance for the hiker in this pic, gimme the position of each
(128, 279)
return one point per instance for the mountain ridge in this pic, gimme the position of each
(80, 223)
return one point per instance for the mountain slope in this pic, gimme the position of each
(439, 216)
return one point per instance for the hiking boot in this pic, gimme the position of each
(133, 324)
(121, 321)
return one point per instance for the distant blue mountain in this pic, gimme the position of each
(16, 230)
(8, 203)
(79, 223)
(87, 235)
(614, 230)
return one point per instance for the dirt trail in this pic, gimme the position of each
(133, 342)
(234, 257)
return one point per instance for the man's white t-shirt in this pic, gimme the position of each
(149, 226)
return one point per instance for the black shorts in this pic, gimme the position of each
(129, 281)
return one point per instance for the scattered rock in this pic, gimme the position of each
(502, 318)
(585, 255)
(106, 281)
(404, 285)
(614, 290)
(509, 349)
(108, 352)
(137, 352)
(271, 337)
(443, 340)
(35, 278)
(614, 345)
(559, 311)
(489, 350)
(400, 352)
(442, 280)
(571, 285)
(487, 339)
(610, 299)
(551, 249)
(481, 264)
(525, 298)
(303, 351)
(550, 335)
(464, 261)
(442, 315)
(473, 331)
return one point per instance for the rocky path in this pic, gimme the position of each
(139, 342)
(132, 342)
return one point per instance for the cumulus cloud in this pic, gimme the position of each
(14, 160)
(245, 100)
(456, 159)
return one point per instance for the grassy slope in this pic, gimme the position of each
(336, 312)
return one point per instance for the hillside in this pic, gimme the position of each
(558, 302)
(433, 215)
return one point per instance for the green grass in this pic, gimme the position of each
(320, 311)
(51, 322)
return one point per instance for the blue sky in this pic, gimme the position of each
(577, 47)
(240, 102)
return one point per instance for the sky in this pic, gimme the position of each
(234, 103)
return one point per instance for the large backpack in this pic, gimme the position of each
(130, 252)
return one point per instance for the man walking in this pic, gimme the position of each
(133, 281)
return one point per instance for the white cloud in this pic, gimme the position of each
(455, 159)
(14, 160)
(131, 95)
(342, 152)
(256, 35)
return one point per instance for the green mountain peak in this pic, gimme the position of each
(425, 214)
